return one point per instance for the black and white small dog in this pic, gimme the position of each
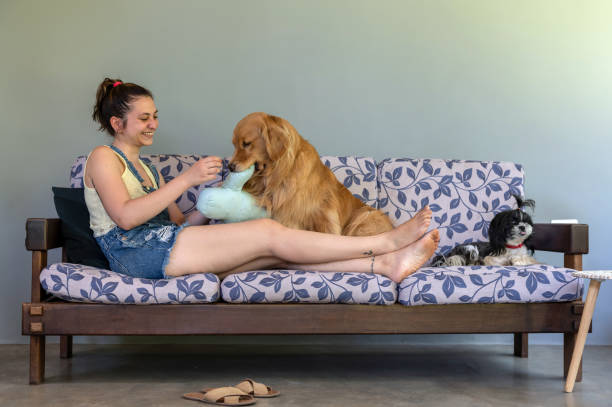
(509, 242)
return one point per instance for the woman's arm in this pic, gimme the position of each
(175, 213)
(105, 169)
(194, 218)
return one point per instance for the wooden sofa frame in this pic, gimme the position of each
(47, 315)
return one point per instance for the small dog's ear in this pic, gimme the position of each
(497, 234)
(522, 203)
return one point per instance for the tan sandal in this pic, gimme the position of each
(222, 396)
(256, 389)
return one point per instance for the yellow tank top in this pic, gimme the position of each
(99, 221)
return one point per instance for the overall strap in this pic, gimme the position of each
(134, 172)
(153, 171)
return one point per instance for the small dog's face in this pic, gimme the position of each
(510, 227)
(259, 139)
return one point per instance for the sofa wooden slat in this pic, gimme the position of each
(258, 319)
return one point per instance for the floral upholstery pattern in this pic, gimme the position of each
(463, 195)
(285, 286)
(75, 282)
(358, 174)
(489, 284)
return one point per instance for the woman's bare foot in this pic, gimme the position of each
(400, 264)
(412, 230)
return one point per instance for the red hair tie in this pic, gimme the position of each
(117, 84)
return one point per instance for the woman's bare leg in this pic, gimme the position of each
(396, 265)
(220, 248)
(417, 226)
(263, 263)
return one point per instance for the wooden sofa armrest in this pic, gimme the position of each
(561, 238)
(43, 234)
(570, 239)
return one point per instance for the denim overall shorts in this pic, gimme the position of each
(143, 251)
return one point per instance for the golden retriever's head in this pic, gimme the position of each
(262, 140)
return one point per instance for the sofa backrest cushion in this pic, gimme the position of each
(168, 165)
(358, 174)
(463, 195)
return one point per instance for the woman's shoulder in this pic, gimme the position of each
(104, 156)
(101, 151)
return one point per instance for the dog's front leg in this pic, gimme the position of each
(326, 221)
(524, 260)
(495, 261)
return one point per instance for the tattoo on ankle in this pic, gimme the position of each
(370, 253)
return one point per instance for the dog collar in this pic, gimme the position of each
(509, 246)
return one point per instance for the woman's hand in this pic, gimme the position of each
(205, 169)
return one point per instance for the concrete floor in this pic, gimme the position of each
(442, 375)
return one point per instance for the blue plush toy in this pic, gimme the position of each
(229, 202)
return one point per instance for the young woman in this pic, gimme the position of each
(143, 233)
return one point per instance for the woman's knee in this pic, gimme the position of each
(272, 233)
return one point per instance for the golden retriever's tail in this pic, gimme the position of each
(367, 221)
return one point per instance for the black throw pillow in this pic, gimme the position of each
(79, 244)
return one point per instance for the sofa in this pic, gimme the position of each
(70, 299)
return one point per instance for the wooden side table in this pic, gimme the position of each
(596, 278)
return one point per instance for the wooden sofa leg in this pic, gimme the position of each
(37, 359)
(66, 346)
(569, 340)
(521, 344)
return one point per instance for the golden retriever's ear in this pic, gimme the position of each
(276, 136)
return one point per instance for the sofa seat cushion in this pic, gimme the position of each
(75, 282)
(287, 286)
(489, 284)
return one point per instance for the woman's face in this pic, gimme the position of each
(140, 122)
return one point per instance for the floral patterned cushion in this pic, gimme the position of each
(358, 174)
(463, 195)
(283, 286)
(75, 282)
(480, 284)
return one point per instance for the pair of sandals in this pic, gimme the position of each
(242, 394)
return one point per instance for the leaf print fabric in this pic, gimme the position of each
(75, 282)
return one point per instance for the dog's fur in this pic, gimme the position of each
(508, 228)
(292, 183)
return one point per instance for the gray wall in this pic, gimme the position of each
(525, 81)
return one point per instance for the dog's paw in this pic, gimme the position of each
(495, 261)
(522, 261)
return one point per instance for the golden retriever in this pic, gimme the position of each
(292, 183)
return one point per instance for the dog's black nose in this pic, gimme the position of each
(522, 228)
(232, 167)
